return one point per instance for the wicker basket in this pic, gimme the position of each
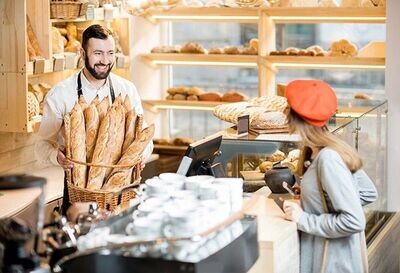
(110, 200)
(60, 9)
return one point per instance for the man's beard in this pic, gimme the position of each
(94, 73)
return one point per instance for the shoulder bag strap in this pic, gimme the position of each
(326, 210)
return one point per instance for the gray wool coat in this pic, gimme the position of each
(344, 226)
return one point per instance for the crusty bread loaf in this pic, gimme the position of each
(92, 127)
(130, 124)
(78, 145)
(210, 96)
(121, 176)
(127, 104)
(67, 142)
(118, 136)
(102, 150)
(95, 101)
(234, 96)
(83, 103)
(102, 108)
(138, 126)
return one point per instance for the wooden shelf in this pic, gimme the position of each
(200, 59)
(306, 62)
(223, 14)
(279, 15)
(155, 105)
(327, 15)
(97, 16)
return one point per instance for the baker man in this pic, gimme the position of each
(95, 79)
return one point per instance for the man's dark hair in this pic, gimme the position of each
(95, 31)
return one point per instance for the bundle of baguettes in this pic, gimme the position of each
(106, 143)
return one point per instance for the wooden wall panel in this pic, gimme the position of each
(12, 36)
(13, 114)
(12, 161)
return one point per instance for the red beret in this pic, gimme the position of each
(313, 100)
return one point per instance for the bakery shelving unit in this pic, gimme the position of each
(16, 71)
(155, 105)
(266, 18)
(270, 65)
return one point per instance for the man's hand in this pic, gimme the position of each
(62, 160)
(293, 211)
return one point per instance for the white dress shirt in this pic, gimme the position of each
(61, 99)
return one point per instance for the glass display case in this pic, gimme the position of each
(361, 123)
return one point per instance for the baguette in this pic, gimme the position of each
(32, 38)
(127, 104)
(130, 124)
(83, 102)
(102, 150)
(78, 145)
(95, 101)
(67, 142)
(120, 177)
(118, 135)
(102, 108)
(138, 126)
(92, 127)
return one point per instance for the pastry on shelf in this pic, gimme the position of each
(216, 50)
(304, 52)
(162, 141)
(179, 97)
(169, 97)
(292, 159)
(362, 96)
(193, 48)
(192, 98)
(33, 105)
(210, 96)
(292, 51)
(177, 90)
(183, 141)
(73, 44)
(249, 51)
(234, 96)
(265, 166)
(278, 53)
(194, 90)
(344, 48)
(232, 50)
(277, 156)
(166, 49)
(319, 51)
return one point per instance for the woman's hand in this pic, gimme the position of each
(292, 211)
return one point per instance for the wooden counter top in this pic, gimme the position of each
(14, 201)
(278, 239)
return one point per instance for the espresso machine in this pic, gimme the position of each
(18, 237)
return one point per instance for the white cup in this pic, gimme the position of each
(193, 183)
(171, 177)
(155, 187)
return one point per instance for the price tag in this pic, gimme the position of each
(243, 125)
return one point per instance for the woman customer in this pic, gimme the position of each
(333, 189)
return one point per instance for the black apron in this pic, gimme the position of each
(66, 204)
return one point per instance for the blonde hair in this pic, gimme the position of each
(320, 137)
